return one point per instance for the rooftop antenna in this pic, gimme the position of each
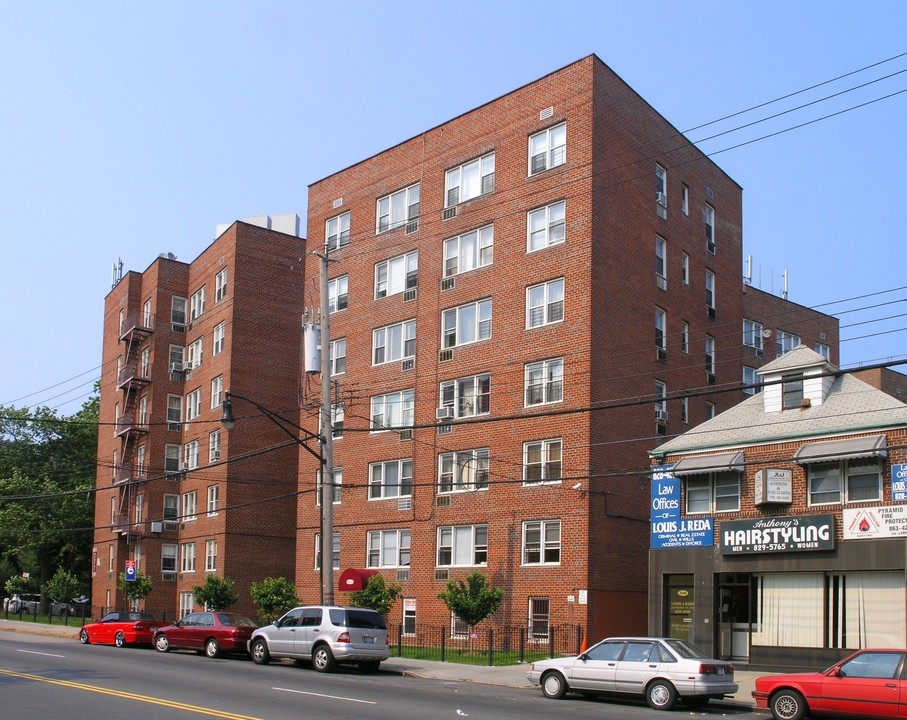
(784, 285)
(117, 273)
(748, 273)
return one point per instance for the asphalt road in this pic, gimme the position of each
(46, 677)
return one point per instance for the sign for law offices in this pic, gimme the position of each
(899, 483)
(668, 529)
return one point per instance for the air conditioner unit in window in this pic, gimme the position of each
(760, 353)
(445, 355)
(178, 367)
(403, 574)
(448, 283)
(157, 527)
(661, 354)
(445, 413)
(711, 312)
(442, 574)
(661, 198)
(406, 434)
(711, 378)
(449, 213)
(408, 364)
(168, 577)
(443, 501)
(661, 415)
(710, 246)
(409, 295)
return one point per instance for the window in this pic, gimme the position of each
(854, 480)
(409, 616)
(168, 557)
(462, 545)
(466, 324)
(463, 471)
(172, 456)
(710, 354)
(191, 455)
(398, 208)
(684, 410)
(145, 363)
(194, 353)
(661, 252)
(178, 309)
(177, 357)
(190, 506)
(661, 406)
(214, 446)
(220, 334)
(548, 149)
(685, 268)
(396, 275)
(338, 356)
(390, 479)
(713, 492)
(545, 303)
(751, 379)
(213, 500)
(752, 334)
(336, 487)
(660, 325)
(710, 228)
(685, 337)
(710, 289)
(394, 342)
(470, 180)
(197, 304)
(338, 416)
(210, 555)
(469, 251)
(539, 616)
(544, 382)
(792, 391)
(171, 511)
(147, 315)
(542, 462)
(335, 554)
(337, 232)
(542, 542)
(187, 603)
(220, 286)
(709, 410)
(193, 404)
(187, 557)
(139, 509)
(685, 199)
(546, 226)
(389, 548)
(140, 461)
(468, 396)
(823, 350)
(217, 391)
(661, 186)
(143, 410)
(338, 290)
(393, 410)
(786, 342)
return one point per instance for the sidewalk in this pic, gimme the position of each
(513, 676)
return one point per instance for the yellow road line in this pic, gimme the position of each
(131, 696)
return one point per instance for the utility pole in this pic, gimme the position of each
(327, 433)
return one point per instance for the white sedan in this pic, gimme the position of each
(659, 669)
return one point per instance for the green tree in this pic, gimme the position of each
(216, 594)
(273, 597)
(135, 590)
(473, 600)
(62, 587)
(18, 585)
(376, 595)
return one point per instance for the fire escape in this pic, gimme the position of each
(132, 425)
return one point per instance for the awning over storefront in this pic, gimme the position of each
(353, 579)
(874, 445)
(708, 463)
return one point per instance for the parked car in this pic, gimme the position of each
(659, 669)
(869, 683)
(210, 632)
(63, 609)
(120, 628)
(24, 604)
(326, 635)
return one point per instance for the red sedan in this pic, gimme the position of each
(210, 632)
(120, 628)
(870, 683)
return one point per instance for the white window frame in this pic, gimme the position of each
(685, 199)
(336, 486)
(661, 257)
(466, 324)
(169, 555)
(190, 506)
(392, 410)
(171, 512)
(190, 455)
(338, 356)
(661, 328)
(469, 251)
(543, 306)
(468, 396)
(389, 548)
(709, 218)
(661, 184)
(548, 149)
(824, 350)
(210, 555)
(338, 417)
(713, 492)
(546, 226)
(539, 547)
(397, 275)
(710, 289)
(173, 456)
(710, 354)
(194, 353)
(220, 335)
(543, 382)
(197, 304)
(335, 551)
(463, 471)
(380, 488)
(214, 446)
(785, 342)
(338, 293)
(661, 394)
(456, 542)
(187, 557)
(539, 618)
(179, 310)
(685, 268)
(843, 472)
(220, 286)
(337, 231)
(217, 391)
(470, 180)
(213, 501)
(544, 450)
(397, 209)
(752, 333)
(685, 337)
(751, 378)
(147, 314)
(393, 343)
(193, 404)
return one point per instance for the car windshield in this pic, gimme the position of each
(236, 620)
(685, 650)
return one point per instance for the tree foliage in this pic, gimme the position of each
(376, 595)
(273, 597)
(473, 600)
(136, 590)
(62, 587)
(216, 594)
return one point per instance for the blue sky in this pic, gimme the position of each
(131, 129)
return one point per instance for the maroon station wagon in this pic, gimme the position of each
(210, 632)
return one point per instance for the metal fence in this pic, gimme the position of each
(493, 645)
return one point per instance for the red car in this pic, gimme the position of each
(210, 632)
(869, 683)
(120, 628)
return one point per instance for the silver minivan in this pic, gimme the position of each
(326, 635)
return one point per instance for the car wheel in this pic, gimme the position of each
(161, 643)
(370, 666)
(787, 705)
(554, 685)
(83, 636)
(259, 651)
(661, 695)
(119, 640)
(323, 659)
(695, 703)
(211, 648)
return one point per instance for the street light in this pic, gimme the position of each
(228, 420)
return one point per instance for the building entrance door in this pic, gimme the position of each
(733, 616)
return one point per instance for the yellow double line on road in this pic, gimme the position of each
(131, 696)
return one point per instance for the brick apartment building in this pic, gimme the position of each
(524, 300)
(176, 337)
